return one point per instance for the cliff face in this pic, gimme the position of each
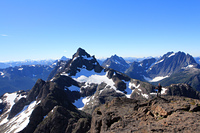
(168, 114)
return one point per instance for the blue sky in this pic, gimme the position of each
(45, 29)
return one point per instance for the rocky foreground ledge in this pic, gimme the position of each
(161, 114)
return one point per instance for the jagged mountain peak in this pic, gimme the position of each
(171, 63)
(116, 62)
(81, 60)
(178, 55)
(118, 58)
(115, 56)
(81, 52)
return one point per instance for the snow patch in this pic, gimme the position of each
(82, 101)
(92, 77)
(87, 73)
(159, 61)
(117, 62)
(145, 95)
(132, 84)
(163, 91)
(52, 79)
(87, 58)
(156, 79)
(10, 98)
(189, 66)
(171, 55)
(128, 89)
(20, 69)
(64, 74)
(21, 120)
(2, 73)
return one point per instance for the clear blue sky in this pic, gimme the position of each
(44, 29)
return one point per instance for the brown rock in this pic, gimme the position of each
(156, 115)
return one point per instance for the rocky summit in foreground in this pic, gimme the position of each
(168, 114)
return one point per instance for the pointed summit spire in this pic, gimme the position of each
(81, 52)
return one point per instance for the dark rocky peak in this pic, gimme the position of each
(171, 63)
(116, 62)
(180, 57)
(81, 52)
(187, 59)
(117, 57)
(167, 55)
(81, 60)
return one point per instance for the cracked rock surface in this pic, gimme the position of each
(166, 114)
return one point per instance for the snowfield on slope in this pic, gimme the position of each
(97, 78)
(20, 121)
(156, 79)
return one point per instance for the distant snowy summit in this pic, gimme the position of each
(116, 62)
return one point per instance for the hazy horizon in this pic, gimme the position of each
(100, 58)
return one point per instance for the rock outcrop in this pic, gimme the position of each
(168, 114)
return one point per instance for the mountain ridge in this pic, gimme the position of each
(166, 69)
(66, 102)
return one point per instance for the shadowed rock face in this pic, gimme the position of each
(55, 112)
(168, 114)
(183, 90)
(81, 59)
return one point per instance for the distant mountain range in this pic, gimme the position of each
(26, 62)
(23, 75)
(70, 100)
(171, 68)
